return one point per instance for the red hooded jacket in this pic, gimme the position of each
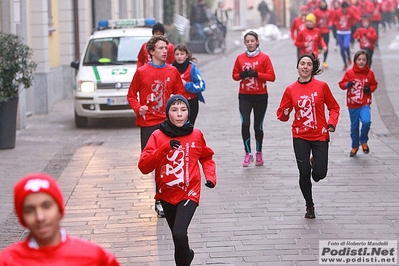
(367, 37)
(177, 171)
(355, 96)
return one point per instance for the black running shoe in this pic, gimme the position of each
(159, 209)
(310, 213)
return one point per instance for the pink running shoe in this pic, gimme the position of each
(247, 160)
(259, 159)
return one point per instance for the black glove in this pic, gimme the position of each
(209, 184)
(349, 84)
(244, 74)
(252, 73)
(174, 144)
(366, 89)
(331, 128)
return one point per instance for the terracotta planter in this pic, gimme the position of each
(8, 123)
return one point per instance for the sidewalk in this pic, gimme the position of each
(255, 215)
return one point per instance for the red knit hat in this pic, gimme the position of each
(33, 183)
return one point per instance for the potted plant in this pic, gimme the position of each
(16, 73)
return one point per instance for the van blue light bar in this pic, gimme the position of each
(126, 23)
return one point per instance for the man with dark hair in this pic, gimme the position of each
(264, 12)
(143, 57)
(198, 19)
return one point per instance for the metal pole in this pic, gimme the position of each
(76, 28)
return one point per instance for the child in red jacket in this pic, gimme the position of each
(309, 39)
(174, 151)
(359, 82)
(367, 37)
(299, 24)
(323, 22)
(151, 86)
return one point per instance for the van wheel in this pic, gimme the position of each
(80, 121)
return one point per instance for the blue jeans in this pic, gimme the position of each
(357, 116)
(199, 32)
(343, 41)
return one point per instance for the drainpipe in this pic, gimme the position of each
(76, 28)
(93, 15)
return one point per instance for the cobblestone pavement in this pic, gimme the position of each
(255, 215)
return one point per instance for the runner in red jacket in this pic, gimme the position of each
(343, 19)
(367, 37)
(253, 69)
(324, 18)
(375, 17)
(366, 7)
(359, 82)
(39, 206)
(313, 5)
(309, 39)
(150, 89)
(299, 24)
(310, 129)
(174, 151)
(152, 85)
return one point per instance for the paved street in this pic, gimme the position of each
(254, 216)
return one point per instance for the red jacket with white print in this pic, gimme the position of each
(355, 96)
(308, 101)
(177, 171)
(152, 86)
(260, 63)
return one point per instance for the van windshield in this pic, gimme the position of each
(113, 51)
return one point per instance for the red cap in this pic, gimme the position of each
(34, 183)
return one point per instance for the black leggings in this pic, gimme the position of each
(145, 133)
(194, 107)
(326, 39)
(179, 217)
(302, 150)
(375, 26)
(370, 52)
(259, 104)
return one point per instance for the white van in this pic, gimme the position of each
(106, 69)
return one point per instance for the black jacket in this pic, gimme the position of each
(198, 14)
